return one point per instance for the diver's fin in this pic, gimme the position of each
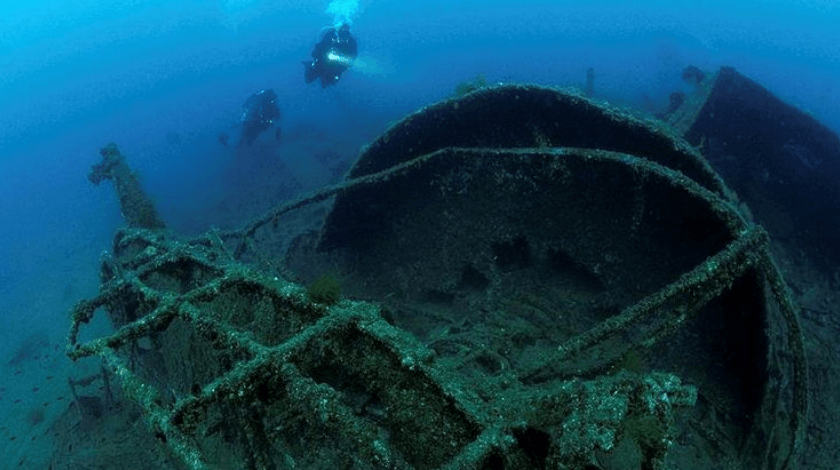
(308, 71)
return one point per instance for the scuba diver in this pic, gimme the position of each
(335, 53)
(258, 114)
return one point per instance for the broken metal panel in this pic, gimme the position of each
(780, 160)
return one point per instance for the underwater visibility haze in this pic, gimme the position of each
(391, 234)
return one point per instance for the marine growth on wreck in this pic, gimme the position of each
(550, 284)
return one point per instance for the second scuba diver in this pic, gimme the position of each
(258, 114)
(332, 55)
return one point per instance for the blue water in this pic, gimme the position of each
(163, 78)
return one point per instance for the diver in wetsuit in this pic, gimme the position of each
(331, 56)
(258, 114)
